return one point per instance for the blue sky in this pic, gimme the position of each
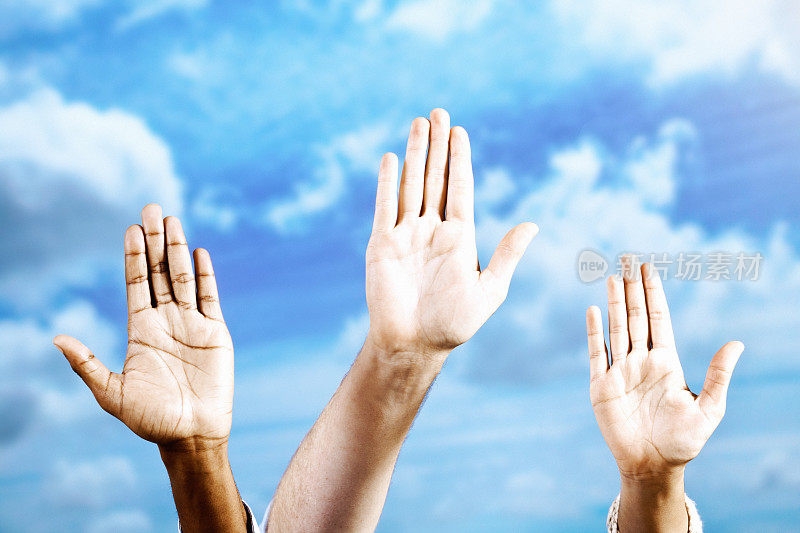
(650, 127)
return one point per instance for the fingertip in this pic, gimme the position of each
(531, 229)
(134, 235)
(420, 125)
(58, 340)
(133, 229)
(439, 116)
(457, 132)
(388, 159)
(173, 223)
(524, 234)
(151, 211)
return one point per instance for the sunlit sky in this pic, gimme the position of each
(650, 126)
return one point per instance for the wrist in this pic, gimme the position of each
(195, 454)
(413, 356)
(392, 384)
(654, 486)
(402, 367)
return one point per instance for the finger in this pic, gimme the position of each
(635, 303)
(712, 398)
(413, 179)
(436, 169)
(105, 386)
(137, 281)
(598, 359)
(497, 275)
(460, 183)
(180, 265)
(617, 319)
(207, 295)
(156, 257)
(657, 309)
(386, 199)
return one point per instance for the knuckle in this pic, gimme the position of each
(635, 311)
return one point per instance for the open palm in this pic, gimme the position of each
(425, 290)
(649, 418)
(177, 381)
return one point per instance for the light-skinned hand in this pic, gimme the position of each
(649, 418)
(426, 292)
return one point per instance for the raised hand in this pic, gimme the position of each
(426, 292)
(177, 381)
(650, 420)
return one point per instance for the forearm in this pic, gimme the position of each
(203, 487)
(653, 504)
(339, 477)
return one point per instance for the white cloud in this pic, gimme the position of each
(439, 19)
(150, 9)
(57, 15)
(684, 38)
(27, 343)
(71, 179)
(651, 168)
(132, 521)
(110, 154)
(493, 187)
(90, 484)
(358, 151)
(368, 10)
(211, 207)
(46, 15)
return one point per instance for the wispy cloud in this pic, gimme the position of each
(353, 153)
(143, 11)
(681, 39)
(41, 15)
(438, 19)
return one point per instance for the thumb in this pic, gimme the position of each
(105, 386)
(715, 389)
(497, 276)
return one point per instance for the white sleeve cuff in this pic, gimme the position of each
(265, 520)
(695, 524)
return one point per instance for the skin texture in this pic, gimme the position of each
(426, 295)
(176, 387)
(653, 424)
